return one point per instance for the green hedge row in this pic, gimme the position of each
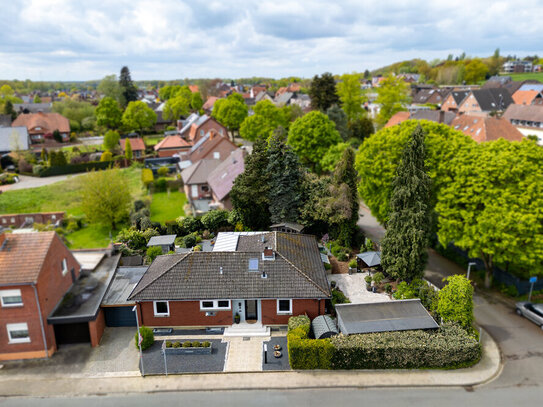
(75, 168)
(449, 347)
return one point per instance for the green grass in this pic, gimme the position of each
(90, 237)
(167, 206)
(525, 76)
(83, 148)
(151, 141)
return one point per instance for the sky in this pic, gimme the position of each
(175, 39)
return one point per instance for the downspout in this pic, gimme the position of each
(41, 321)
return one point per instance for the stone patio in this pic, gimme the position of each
(354, 287)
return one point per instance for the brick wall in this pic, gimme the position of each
(18, 219)
(312, 308)
(205, 128)
(96, 328)
(183, 313)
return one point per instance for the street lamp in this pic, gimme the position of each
(135, 309)
(469, 268)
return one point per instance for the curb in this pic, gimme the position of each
(487, 370)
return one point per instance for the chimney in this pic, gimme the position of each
(441, 116)
(3, 240)
(268, 254)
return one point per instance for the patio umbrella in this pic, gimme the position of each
(370, 258)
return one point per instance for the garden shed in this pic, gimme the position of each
(400, 315)
(166, 242)
(369, 259)
(324, 327)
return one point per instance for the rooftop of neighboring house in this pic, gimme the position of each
(511, 86)
(527, 113)
(22, 256)
(221, 179)
(198, 172)
(13, 138)
(194, 88)
(5, 120)
(208, 105)
(206, 144)
(283, 98)
(41, 121)
(492, 99)
(459, 95)
(532, 85)
(136, 143)
(170, 142)
(423, 95)
(257, 265)
(525, 97)
(33, 107)
(482, 129)
(438, 116)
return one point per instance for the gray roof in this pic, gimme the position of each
(400, 315)
(291, 225)
(5, 120)
(198, 172)
(434, 116)
(283, 98)
(493, 99)
(459, 95)
(161, 240)
(324, 327)
(221, 179)
(295, 272)
(121, 286)
(370, 258)
(532, 86)
(33, 107)
(9, 136)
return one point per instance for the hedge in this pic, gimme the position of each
(449, 347)
(305, 353)
(75, 168)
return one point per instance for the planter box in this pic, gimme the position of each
(187, 351)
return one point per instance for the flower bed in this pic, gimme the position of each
(187, 348)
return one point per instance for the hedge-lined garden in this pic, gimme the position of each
(451, 346)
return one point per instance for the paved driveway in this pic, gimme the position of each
(354, 287)
(26, 182)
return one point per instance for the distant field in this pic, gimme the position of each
(167, 206)
(525, 76)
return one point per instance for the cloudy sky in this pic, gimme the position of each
(170, 39)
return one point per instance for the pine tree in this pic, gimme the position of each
(9, 110)
(128, 149)
(249, 193)
(404, 254)
(129, 91)
(285, 178)
(343, 202)
(323, 92)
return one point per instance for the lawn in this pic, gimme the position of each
(525, 76)
(167, 206)
(64, 196)
(151, 141)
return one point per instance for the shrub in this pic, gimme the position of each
(341, 253)
(455, 302)
(206, 344)
(163, 171)
(339, 298)
(168, 344)
(327, 266)
(213, 220)
(153, 252)
(148, 338)
(177, 344)
(160, 185)
(147, 177)
(189, 224)
(56, 136)
(388, 288)
(106, 156)
(378, 277)
(187, 344)
(450, 346)
(37, 169)
(304, 353)
(368, 280)
(196, 344)
(189, 241)
(134, 239)
(300, 321)
(353, 264)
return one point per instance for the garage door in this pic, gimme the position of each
(120, 316)
(72, 333)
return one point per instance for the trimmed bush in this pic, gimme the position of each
(187, 344)
(196, 344)
(148, 338)
(160, 185)
(455, 301)
(302, 321)
(74, 168)
(304, 353)
(177, 344)
(163, 171)
(449, 347)
(168, 344)
(352, 263)
(206, 344)
(378, 277)
(339, 298)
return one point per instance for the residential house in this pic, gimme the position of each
(20, 220)
(200, 127)
(453, 100)
(510, 85)
(486, 101)
(221, 179)
(36, 270)
(172, 145)
(211, 146)
(264, 95)
(255, 278)
(438, 116)
(41, 124)
(137, 145)
(196, 186)
(527, 119)
(5, 120)
(517, 66)
(528, 97)
(283, 99)
(287, 227)
(208, 105)
(33, 107)
(13, 139)
(255, 90)
(532, 85)
(483, 129)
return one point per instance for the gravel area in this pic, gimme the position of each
(273, 362)
(354, 287)
(154, 360)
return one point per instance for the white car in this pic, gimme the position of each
(534, 312)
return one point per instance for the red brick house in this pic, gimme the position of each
(171, 145)
(200, 127)
(262, 277)
(137, 145)
(482, 129)
(212, 146)
(17, 220)
(39, 124)
(36, 270)
(222, 178)
(453, 100)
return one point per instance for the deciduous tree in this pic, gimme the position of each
(138, 116)
(230, 112)
(111, 140)
(393, 97)
(128, 149)
(351, 96)
(266, 119)
(108, 113)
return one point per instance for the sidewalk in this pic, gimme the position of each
(76, 385)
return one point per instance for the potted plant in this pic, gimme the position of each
(237, 318)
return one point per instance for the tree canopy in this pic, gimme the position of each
(138, 116)
(311, 136)
(111, 140)
(108, 113)
(351, 96)
(323, 92)
(110, 87)
(267, 117)
(393, 97)
(128, 89)
(230, 112)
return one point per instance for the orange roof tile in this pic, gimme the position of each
(22, 256)
(194, 88)
(137, 144)
(524, 97)
(209, 103)
(174, 141)
(46, 122)
(482, 129)
(397, 119)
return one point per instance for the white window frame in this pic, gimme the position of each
(18, 327)
(11, 293)
(215, 305)
(289, 312)
(216, 155)
(64, 267)
(161, 314)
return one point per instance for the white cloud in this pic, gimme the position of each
(166, 39)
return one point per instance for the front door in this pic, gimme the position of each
(251, 310)
(239, 309)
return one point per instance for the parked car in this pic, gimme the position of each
(534, 312)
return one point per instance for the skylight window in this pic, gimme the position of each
(253, 264)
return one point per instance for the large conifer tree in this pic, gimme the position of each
(404, 254)
(285, 178)
(129, 91)
(249, 193)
